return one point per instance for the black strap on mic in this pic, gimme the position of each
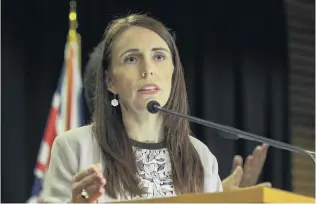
(154, 107)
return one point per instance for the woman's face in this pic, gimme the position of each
(141, 68)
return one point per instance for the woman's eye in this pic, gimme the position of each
(160, 57)
(130, 60)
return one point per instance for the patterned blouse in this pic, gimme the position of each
(154, 170)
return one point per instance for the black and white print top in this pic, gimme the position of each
(154, 170)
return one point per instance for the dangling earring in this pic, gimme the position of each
(114, 101)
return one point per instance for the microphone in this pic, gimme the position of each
(154, 107)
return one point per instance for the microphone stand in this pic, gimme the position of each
(238, 133)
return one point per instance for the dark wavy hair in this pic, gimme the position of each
(108, 128)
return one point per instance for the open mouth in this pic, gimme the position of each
(149, 89)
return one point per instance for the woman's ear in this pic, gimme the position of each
(109, 82)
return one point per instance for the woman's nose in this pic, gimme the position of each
(146, 74)
(147, 69)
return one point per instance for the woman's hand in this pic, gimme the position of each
(90, 180)
(246, 175)
(253, 165)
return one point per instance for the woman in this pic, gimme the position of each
(242, 174)
(128, 153)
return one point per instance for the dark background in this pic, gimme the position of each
(234, 55)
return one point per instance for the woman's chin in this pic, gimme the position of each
(142, 105)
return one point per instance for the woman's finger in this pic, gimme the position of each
(95, 178)
(248, 167)
(95, 168)
(260, 157)
(94, 191)
(237, 176)
(264, 153)
(237, 161)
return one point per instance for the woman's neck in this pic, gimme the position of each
(144, 127)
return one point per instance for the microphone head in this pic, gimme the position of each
(151, 106)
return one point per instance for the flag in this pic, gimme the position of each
(66, 110)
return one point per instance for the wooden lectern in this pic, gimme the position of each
(247, 195)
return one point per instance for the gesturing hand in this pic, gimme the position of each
(91, 181)
(246, 175)
(253, 165)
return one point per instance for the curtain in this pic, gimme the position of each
(234, 58)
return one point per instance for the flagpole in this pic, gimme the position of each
(73, 26)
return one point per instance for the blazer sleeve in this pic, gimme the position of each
(63, 166)
(212, 182)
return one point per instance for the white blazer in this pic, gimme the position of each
(77, 150)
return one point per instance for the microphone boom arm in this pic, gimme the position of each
(241, 134)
